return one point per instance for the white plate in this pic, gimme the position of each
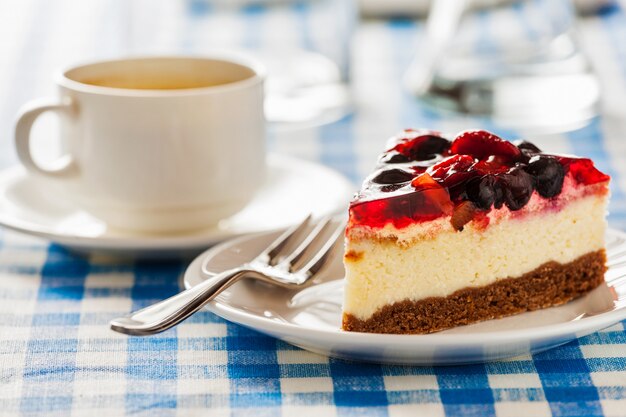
(293, 189)
(311, 318)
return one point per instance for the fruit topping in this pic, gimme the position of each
(449, 167)
(394, 158)
(393, 176)
(485, 191)
(548, 175)
(465, 178)
(389, 188)
(492, 165)
(419, 169)
(481, 144)
(526, 147)
(462, 214)
(416, 146)
(583, 170)
(452, 173)
(518, 188)
(430, 202)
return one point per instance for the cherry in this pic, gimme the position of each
(491, 165)
(394, 158)
(450, 166)
(480, 144)
(392, 176)
(548, 175)
(452, 173)
(422, 147)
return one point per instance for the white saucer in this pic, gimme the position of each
(311, 318)
(293, 189)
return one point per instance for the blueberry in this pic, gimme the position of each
(527, 147)
(498, 199)
(393, 176)
(548, 175)
(484, 192)
(517, 187)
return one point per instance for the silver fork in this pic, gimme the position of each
(288, 270)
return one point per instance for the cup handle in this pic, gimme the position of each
(65, 165)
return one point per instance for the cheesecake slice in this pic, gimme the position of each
(452, 231)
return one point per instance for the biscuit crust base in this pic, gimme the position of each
(551, 284)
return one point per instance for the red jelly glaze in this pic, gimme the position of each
(583, 170)
(439, 187)
(403, 209)
(453, 170)
(493, 164)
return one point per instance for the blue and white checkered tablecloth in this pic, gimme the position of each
(58, 357)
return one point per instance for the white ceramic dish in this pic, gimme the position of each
(293, 189)
(311, 318)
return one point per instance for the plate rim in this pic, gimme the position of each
(576, 328)
(183, 242)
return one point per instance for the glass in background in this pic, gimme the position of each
(516, 61)
(305, 45)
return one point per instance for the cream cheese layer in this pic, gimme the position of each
(434, 260)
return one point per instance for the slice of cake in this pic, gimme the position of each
(451, 232)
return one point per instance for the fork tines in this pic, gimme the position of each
(297, 252)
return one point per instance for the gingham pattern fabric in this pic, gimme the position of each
(58, 357)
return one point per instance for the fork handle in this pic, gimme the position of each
(171, 311)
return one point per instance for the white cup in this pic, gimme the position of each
(156, 144)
